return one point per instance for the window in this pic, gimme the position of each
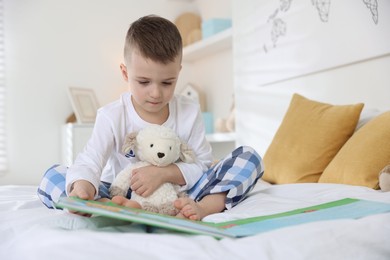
(3, 150)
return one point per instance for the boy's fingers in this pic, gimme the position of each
(82, 194)
(122, 201)
(80, 213)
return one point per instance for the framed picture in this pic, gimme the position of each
(84, 104)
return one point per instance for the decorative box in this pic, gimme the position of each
(215, 25)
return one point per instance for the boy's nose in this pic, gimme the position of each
(155, 92)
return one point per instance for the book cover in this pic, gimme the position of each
(347, 208)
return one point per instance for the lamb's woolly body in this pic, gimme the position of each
(154, 145)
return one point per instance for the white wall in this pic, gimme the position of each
(53, 44)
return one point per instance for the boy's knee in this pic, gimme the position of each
(250, 154)
(52, 185)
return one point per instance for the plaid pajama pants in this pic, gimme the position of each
(236, 174)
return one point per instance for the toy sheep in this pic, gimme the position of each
(153, 145)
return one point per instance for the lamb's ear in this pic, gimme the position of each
(186, 153)
(130, 142)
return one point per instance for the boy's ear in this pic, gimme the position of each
(124, 72)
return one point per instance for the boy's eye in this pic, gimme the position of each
(167, 83)
(143, 82)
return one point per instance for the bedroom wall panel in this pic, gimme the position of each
(277, 53)
(278, 40)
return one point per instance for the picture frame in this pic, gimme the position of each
(84, 103)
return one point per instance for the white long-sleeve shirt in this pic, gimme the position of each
(102, 158)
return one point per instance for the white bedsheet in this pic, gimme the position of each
(30, 231)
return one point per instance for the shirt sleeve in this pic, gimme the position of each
(90, 162)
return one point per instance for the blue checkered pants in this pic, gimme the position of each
(236, 175)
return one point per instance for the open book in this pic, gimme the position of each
(340, 209)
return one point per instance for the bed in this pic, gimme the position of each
(349, 170)
(30, 231)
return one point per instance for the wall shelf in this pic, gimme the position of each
(221, 137)
(209, 46)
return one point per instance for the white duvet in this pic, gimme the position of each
(28, 230)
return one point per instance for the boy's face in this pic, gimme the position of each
(151, 83)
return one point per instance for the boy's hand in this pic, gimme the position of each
(84, 190)
(146, 180)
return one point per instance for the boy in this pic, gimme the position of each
(152, 55)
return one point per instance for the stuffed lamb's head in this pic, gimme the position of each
(158, 145)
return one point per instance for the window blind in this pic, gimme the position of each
(3, 150)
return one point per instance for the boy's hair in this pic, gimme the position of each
(156, 38)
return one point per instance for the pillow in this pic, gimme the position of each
(365, 154)
(366, 115)
(308, 138)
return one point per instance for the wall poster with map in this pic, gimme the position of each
(283, 39)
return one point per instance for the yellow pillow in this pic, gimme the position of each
(365, 154)
(308, 138)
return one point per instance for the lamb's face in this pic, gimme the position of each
(157, 147)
